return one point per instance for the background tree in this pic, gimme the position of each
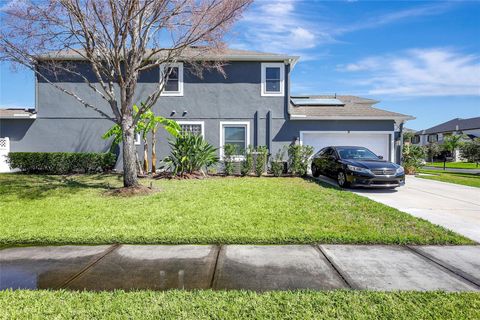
(408, 136)
(432, 149)
(471, 151)
(452, 143)
(118, 40)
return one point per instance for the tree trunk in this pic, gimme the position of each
(145, 156)
(130, 178)
(154, 153)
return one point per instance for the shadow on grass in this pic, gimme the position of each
(322, 183)
(36, 186)
(331, 184)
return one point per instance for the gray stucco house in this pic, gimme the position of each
(250, 105)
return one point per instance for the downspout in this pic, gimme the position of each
(256, 129)
(400, 154)
(269, 131)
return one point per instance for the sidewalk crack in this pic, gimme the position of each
(89, 265)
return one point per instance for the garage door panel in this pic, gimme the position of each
(378, 143)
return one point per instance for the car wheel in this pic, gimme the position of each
(315, 171)
(342, 179)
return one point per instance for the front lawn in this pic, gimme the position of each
(455, 165)
(238, 305)
(39, 210)
(466, 179)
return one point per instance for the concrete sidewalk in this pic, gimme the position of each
(251, 267)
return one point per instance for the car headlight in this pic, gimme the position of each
(400, 170)
(358, 169)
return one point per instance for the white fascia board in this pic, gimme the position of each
(305, 117)
(33, 116)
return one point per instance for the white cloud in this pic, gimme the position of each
(275, 26)
(396, 16)
(419, 72)
(283, 26)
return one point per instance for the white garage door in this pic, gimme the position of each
(379, 143)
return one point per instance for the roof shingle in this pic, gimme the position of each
(354, 108)
(453, 125)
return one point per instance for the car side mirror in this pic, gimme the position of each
(380, 157)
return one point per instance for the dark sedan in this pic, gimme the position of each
(357, 167)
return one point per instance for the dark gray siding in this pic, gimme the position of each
(63, 124)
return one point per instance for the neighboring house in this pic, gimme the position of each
(470, 128)
(250, 105)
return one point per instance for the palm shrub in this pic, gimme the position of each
(276, 164)
(229, 151)
(190, 153)
(413, 156)
(452, 143)
(298, 158)
(247, 164)
(432, 149)
(261, 160)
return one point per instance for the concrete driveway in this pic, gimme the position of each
(452, 206)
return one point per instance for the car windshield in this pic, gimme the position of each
(356, 153)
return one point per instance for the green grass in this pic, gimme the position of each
(238, 305)
(455, 165)
(466, 179)
(39, 210)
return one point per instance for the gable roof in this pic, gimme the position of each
(190, 53)
(353, 108)
(454, 125)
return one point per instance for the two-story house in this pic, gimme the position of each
(470, 128)
(250, 105)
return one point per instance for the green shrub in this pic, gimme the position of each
(298, 157)
(190, 153)
(61, 162)
(229, 151)
(261, 160)
(276, 164)
(471, 151)
(247, 164)
(413, 157)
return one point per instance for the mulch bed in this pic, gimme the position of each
(169, 175)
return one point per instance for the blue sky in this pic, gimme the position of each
(416, 57)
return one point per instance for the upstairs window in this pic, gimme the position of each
(416, 139)
(273, 79)
(171, 76)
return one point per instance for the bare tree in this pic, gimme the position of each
(119, 39)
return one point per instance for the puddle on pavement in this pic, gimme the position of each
(43, 268)
(127, 268)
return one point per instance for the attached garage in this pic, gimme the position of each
(380, 142)
(348, 121)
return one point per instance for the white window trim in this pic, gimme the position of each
(234, 123)
(138, 140)
(281, 93)
(202, 123)
(178, 93)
